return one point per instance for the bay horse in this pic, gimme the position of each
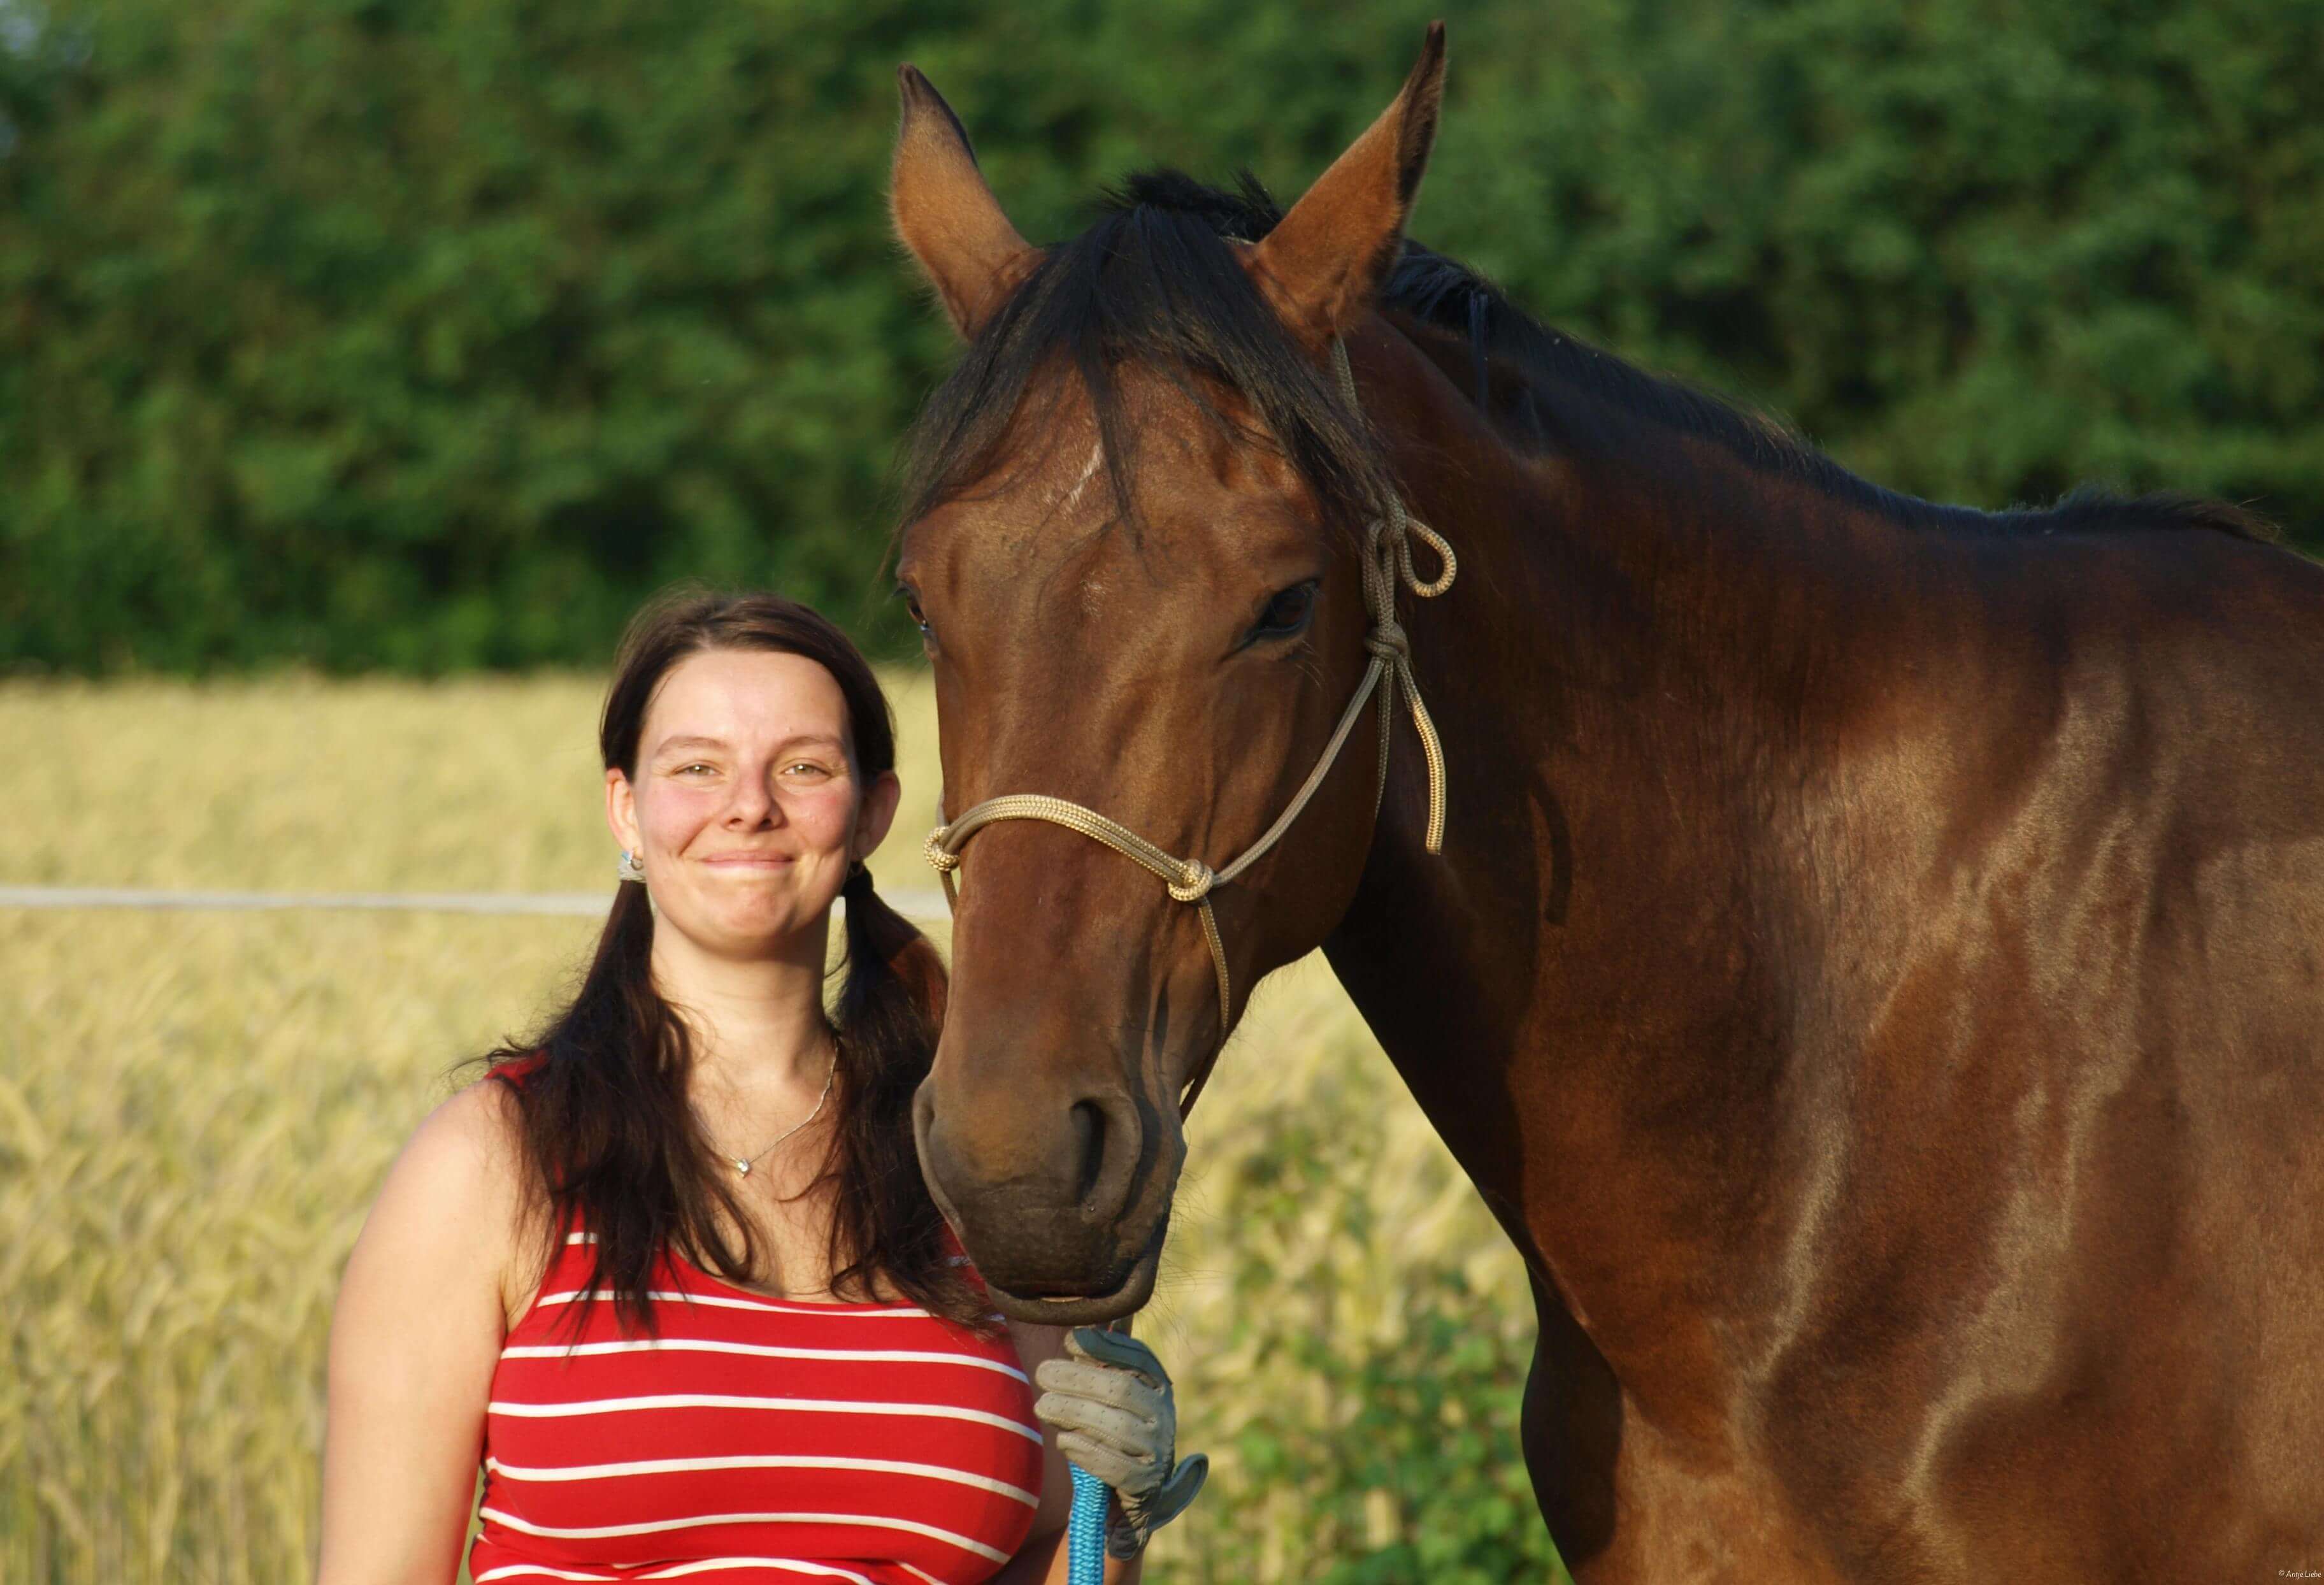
(1875, 965)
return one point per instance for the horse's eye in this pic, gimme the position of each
(912, 609)
(1287, 612)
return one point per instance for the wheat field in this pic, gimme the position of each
(195, 1109)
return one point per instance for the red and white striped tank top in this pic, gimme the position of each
(753, 1441)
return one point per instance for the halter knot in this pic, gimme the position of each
(1195, 882)
(941, 859)
(1388, 641)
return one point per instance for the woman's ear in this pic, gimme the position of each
(621, 811)
(879, 811)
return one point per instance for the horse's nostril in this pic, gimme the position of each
(1089, 1139)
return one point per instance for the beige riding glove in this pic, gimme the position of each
(1109, 1401)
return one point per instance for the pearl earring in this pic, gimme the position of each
(630, 867)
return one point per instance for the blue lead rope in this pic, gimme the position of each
(1085, 1531)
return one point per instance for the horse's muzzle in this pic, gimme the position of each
(1063, 1212)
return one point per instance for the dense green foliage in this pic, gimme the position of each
(429, 333)
(1356, 1354)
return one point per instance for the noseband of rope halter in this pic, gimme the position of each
(1387, 563)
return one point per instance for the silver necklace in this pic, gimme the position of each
(743, 1164)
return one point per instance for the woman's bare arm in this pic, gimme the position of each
(417, 1332)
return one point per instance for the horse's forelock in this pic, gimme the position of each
(1153, 283)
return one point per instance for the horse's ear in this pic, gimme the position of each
(944, 213)
(1324, 261)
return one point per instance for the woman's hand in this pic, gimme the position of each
(1110, 1402)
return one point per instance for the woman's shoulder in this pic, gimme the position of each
(468, 1151)
(455, 1197)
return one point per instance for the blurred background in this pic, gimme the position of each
(363, 363)
(427, 334)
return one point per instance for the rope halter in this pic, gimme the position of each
(1387, 561)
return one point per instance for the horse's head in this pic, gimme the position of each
(1138, 550)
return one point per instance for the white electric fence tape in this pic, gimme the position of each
(917, 905)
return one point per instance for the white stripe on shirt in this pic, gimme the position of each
(723, 1302)
(723, 1401)
(760, 1461)
(764, 1350)
(760, 1562)
(698, 1521)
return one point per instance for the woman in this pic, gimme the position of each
(669, 1272)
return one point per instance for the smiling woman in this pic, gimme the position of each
(746, 827)
(798, 1374)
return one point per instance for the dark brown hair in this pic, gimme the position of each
(607, 1134)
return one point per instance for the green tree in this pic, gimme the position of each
(432, 334)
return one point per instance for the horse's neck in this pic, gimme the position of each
(1593, 992)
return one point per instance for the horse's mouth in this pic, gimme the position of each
(1088, 1309)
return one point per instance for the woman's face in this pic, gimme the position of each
(747, 808)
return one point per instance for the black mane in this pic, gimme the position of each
(1152, 280)
(1446, 293)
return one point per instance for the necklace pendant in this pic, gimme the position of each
(742, 1165)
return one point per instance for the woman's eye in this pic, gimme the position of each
(809, 766)
(1287, 612)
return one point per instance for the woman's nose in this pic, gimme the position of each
(755, 803)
